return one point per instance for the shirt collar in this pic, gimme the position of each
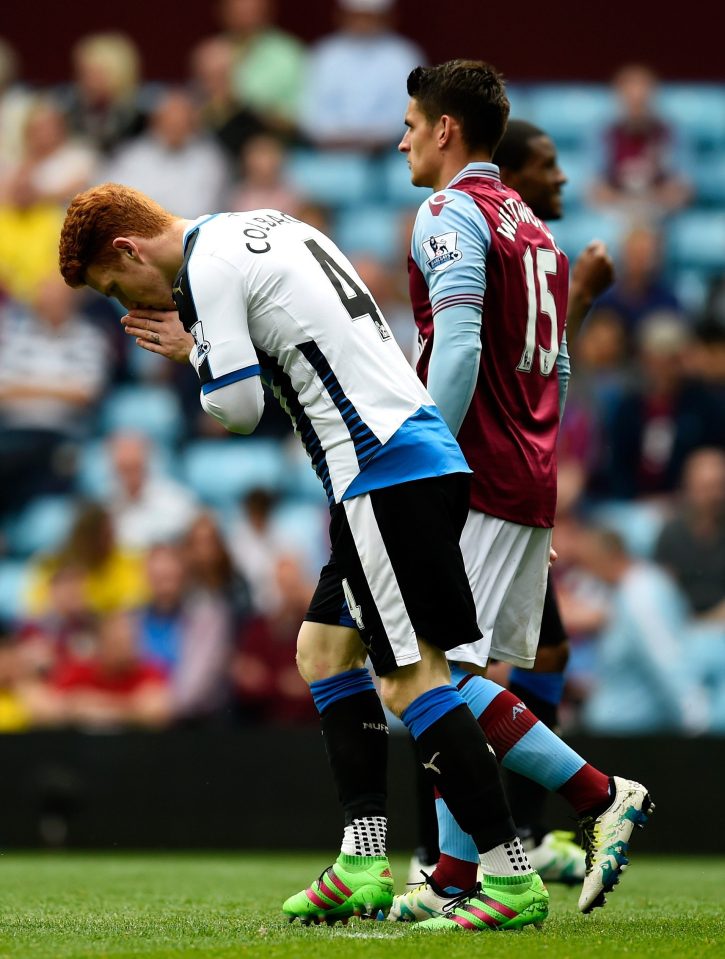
(478, 169)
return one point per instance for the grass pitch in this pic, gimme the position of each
(121, 905)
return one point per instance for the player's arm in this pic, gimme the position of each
(563, 372)
(215, 312)
(592, 274)
(456, 286)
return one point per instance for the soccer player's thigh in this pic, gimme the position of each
(518, 624)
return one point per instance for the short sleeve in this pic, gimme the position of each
(215, 314)
(450, 243)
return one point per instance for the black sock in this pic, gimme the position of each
(527, 799)
(458, 761)
(427, 849)
(356, 738)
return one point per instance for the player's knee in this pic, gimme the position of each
(324, 651)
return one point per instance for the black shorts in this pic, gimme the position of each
(552, 632)
(397, 571)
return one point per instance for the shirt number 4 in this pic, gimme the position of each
(544, 267)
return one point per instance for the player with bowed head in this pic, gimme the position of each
(262, 295)
(491, 316)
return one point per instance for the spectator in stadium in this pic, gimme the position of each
(691, 546)
(231, 122)
(267, 683)
(174, 162)
(53, 368)
(15, 100)
(641, 287)
(53, 166)
(355, 91)
(113, 578)
(114, 688)
(187, 631)
(269, 64)
(67, 628)
(146, 506)
(33, 192)
(103, 102)
(263, 183)
(14, 712)
(211, 569)
(256, 547)
(659, 421)
(644, 678)
(641, 159)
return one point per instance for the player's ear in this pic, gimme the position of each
(127, 247)
(445, 128)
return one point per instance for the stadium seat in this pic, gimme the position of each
(41, 526)
(696, 240)
(301, 483)
(14, 577)
(569, 112)
(395, 183)
(145, 408)
(221, 471)
(372, 230)
(638, 524)
(577, 166)
(697, 110)
(710, 180)
(303, 528)
(578, 228)
(333, 178)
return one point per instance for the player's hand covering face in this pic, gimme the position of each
(159, 331)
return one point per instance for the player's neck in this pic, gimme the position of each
(167, 249)
(453, 163)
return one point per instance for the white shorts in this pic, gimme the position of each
(507, 566)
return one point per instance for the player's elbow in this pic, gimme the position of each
(238, 407)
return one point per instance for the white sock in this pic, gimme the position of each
(508, 859)
(365, 837)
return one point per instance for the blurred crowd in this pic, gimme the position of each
(154, 571)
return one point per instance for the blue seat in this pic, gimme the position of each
(301, 483)
(395, 183)
(579, 228)
(639, 524)
(697, 110)
(221, 471)
(696, 240)
(303, 527)
(710, 179)
(144, 408)
(569, 112)
(577, 166)
(333, 178)
(14, 580)
(42, 525)
(371, 230)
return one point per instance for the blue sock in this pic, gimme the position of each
(547, 686)
(325, 692)
(428, 708)
(453, 841)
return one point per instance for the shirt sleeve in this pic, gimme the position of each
(224, 355)
(450, 243)
(454, 362)
(563, 371)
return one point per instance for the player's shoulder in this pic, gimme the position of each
(446, 204)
